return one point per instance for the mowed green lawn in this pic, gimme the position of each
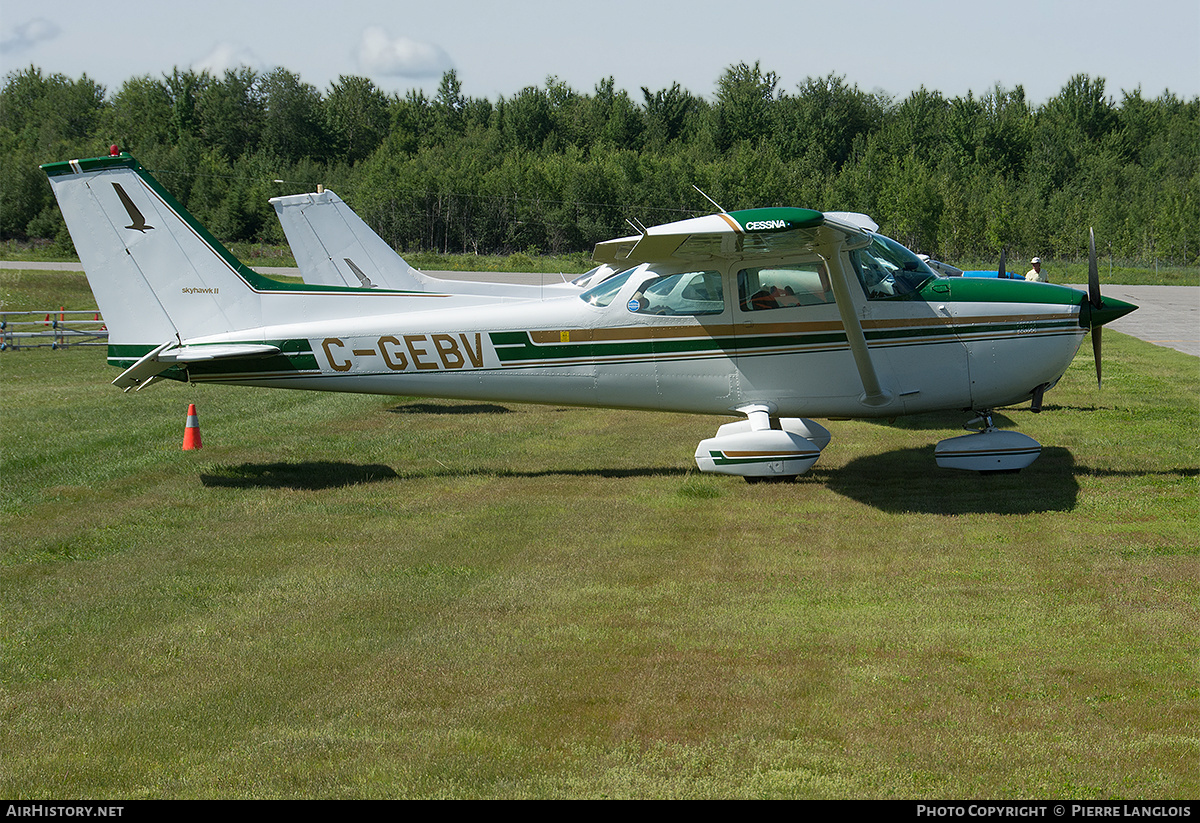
(345, 596)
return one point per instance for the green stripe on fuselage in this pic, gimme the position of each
(517, 347)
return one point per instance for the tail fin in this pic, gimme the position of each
(157, 275)
(334, 247)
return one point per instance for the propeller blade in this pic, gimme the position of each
(1094, 298)
(1093, 272)
(1000, 272)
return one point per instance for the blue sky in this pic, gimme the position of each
(498, 48)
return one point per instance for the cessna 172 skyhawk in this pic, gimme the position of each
(778, 315)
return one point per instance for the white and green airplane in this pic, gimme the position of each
(773, 315)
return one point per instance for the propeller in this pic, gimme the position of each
(1001, 272)
(1094, 310)
(1094, 298)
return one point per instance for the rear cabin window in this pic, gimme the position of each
(692, 293)
(781, 287)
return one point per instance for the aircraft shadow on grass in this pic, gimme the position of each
(904, 481)
(450, 408)
(897, 481)
(646, 471)
(907, 481)
(326, 474)
(309, 475)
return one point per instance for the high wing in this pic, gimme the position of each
(727, 234)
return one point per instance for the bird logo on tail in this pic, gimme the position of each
(139, 221)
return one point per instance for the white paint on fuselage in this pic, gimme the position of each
(444, 347)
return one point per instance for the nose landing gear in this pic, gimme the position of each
(987, 449)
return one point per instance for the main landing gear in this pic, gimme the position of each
(763, 448)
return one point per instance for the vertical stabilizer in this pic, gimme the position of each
(157, 275)
(334, 247)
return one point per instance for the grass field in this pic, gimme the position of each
(361, 596)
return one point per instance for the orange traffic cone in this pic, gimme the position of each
(191, 432)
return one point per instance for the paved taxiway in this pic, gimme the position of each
(1166, 316)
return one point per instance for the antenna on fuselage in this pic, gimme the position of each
(720, 208)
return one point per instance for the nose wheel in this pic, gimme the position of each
(987, 450)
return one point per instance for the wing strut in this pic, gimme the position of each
(874, 392)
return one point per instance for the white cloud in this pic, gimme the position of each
(225, 56)
(27, 35)
(378, 53)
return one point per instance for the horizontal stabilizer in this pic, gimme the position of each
(143, 372)
(226, 351)
(148, 368)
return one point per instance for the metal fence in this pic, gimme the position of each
(58, 329)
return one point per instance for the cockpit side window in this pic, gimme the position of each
(692, 293)
(780, 287)
(889, 271)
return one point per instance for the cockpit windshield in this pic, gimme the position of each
(887, 270)
(604, 293)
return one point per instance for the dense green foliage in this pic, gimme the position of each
(553, 169)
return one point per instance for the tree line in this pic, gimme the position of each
(552, 169)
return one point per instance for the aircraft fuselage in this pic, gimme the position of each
(935, 350)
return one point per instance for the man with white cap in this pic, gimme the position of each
(1034, 275)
